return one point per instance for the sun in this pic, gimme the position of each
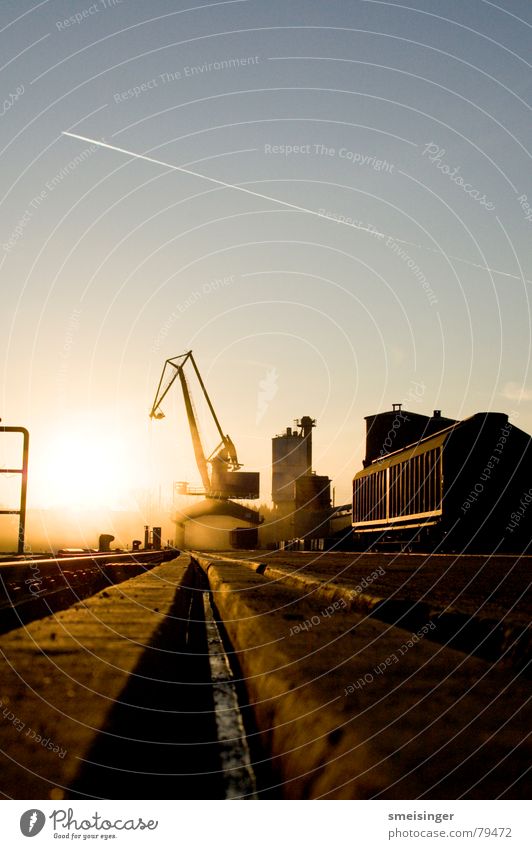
(82, 468)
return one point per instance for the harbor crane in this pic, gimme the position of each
(224, 480)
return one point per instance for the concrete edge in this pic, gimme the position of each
(486, 638)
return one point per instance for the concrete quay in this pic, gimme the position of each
(481, 604)
(350, 707)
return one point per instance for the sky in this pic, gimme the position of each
(381, 253)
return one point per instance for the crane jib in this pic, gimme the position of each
(224, 480)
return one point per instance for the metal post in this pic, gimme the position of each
(23, 486)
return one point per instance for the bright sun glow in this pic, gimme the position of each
(82, 469)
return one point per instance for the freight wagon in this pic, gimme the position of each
(466, 486)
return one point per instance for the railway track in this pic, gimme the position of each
(31, 588)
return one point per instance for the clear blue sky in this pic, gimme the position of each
(412, 120)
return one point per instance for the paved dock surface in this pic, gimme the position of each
(496, 587)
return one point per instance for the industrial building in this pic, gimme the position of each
(301, 498)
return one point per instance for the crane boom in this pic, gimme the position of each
(225, 480)
(201, 383)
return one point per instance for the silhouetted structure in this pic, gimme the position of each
(21, 470)
(104, 542)
(396, 428)
(225, 480)
(301, 498)
(464, 486)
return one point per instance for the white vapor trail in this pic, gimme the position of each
(284, 203)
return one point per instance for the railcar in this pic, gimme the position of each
(467, 487)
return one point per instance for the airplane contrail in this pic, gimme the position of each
(286, 203)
